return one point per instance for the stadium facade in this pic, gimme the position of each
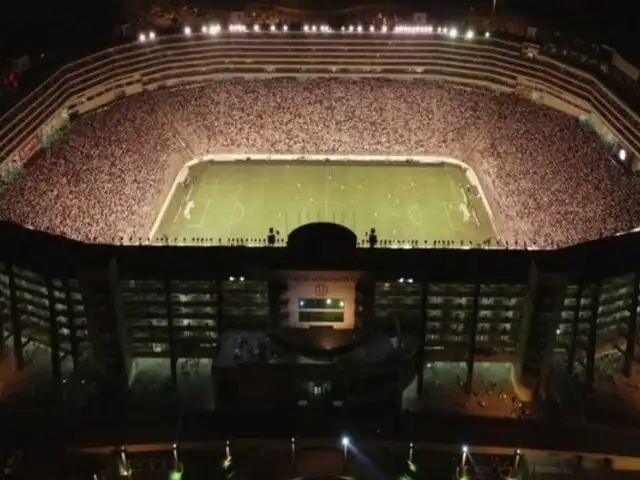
(545, 312)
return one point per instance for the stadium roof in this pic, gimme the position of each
(48, 254)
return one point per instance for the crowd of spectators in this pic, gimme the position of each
(548, 180)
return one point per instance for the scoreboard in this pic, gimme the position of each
(321, 298)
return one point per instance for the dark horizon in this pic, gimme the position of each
(34, 25)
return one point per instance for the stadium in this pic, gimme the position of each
(409, 219)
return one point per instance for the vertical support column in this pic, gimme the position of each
(575, 322)
(73, 329)
(632, 330)
(54, 338)
(593, 337)
(473, 330)
(422, 332)
(16, 325)
(107, 326)
(173, 356)
(220, 306)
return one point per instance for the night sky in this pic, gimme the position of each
(38, 24)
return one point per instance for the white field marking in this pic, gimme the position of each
(416, 204)
(475, 216)
(202, 217)
(183, 203)
(446, 210)
(235, 218)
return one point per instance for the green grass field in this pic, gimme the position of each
(402, 201)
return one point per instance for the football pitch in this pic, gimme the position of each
(224, 201)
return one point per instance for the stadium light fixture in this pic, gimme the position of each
(622, 154)
(187, 31)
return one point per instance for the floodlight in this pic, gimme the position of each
(469, 35)
(345, 441)
(256, 28)
(372, 28)
(453, 33)
(305, 28)
(487, 34)
(465, 449)
(272, 28)
(342, 28)
(622, 154)
(205, 29)
(314, 28)
(152, 35)
(187, 31)
(351, 28)
(142, 38)
(285, 28)
(384, 29)
(359, 28)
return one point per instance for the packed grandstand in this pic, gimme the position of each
(549, 180)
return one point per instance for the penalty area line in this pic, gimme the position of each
(183, 204)
(202, 217)
(446, 211)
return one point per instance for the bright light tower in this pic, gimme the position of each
(465, 454)
(622, 154)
